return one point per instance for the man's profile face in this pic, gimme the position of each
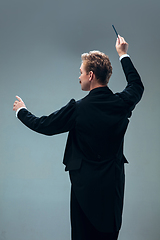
(84, 78)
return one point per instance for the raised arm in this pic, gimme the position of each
(134, 89)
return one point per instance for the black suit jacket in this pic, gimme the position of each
(94, 150)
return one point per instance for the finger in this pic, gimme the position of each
(20, 99)
(121, 39)
(118, 41)
(14, 107)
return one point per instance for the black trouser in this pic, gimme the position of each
(81, 227)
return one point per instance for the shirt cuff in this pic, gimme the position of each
(19, 110)
(124, 55)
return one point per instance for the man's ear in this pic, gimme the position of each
(91, 74)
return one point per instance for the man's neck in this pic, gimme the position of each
(97, 85)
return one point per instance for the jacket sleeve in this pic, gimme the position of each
(60, 121)
(134, 90)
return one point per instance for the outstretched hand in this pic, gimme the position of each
(121, 46)
(18, 104)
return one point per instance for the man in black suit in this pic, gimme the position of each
(94, 150)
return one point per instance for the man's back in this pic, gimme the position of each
(100, 124)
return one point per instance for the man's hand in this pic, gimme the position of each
(121, 46)
(18, 104)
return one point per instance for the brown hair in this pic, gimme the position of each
(99, 64)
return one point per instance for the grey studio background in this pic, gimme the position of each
(40, 47)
